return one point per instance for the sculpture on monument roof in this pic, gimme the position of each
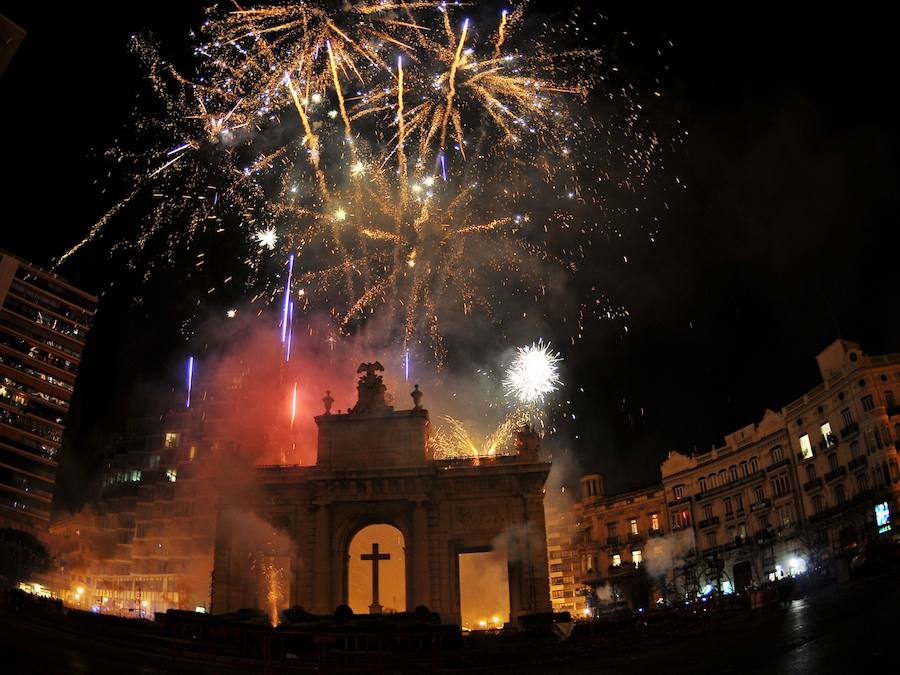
(371, 391)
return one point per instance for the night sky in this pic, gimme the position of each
(777, 245)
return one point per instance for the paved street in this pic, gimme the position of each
(845, 630)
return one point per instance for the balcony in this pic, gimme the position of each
(624, 568)
(857, 463)
(635, 537)
(655, 533)
(814, 484)
(761, 505)
(709, 522)
(777, 465)
(730, 485)
(612, 541)
(851, 429)
(839, 472)
(892, 410)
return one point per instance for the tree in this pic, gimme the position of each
(21, 555)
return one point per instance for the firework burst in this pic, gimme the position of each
(397, 150)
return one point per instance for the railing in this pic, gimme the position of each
(612, 541)
(850, 430)
(760, 505)
(857, 462)
(655, 533)
(813, 484)
(634, 537)
(709, 522)
(839, 472)
(892, 410)
(828, 442)
(730, 485)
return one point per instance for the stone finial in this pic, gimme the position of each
(328, 401)
(416, 397)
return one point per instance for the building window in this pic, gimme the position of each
(744, 472)
(723, 477)
(827, 436)
(839, 496)
(854, 449)
(633, 526)
(707, 512)
(732, 473)
(171, 439)
(862, 482)
(742, 530)
(616, 560)
(678, 491)
(172, 475)
(611, 529)
(777, 454)
(754, 465)
(889, 398)
(806, 450)
(760, 493)
(867, 403)
(763, 522)
(193, 453)
(654, 522)
(153, 462)
(811, 471)
(727, 502)
(679, 520)
(712, 480)
(781, 484)
(847, 417)
(710, 539)
(833, 461)
(636, 557)
(701, 484)
(786, 515)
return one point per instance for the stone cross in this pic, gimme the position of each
(375, 557)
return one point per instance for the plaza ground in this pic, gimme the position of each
(835, 630)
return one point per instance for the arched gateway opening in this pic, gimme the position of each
(376, 570)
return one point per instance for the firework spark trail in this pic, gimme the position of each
(416, 243)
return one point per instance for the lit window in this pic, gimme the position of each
(171, 439)
(678, 491)
(172, 475)
(633, 526)
(654, 522)
(805, 447)
(827, 436)
(636, 558)
(193, 453)
(616, 560)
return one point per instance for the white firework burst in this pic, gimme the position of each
(533, 374)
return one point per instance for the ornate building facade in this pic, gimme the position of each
(818, 479)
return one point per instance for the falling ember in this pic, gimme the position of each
(294, 405)
(533, 374)
(190, 381)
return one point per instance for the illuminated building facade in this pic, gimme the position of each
(44, 322)
(740, 504)
(565, 539)
(819, 478)
(843, 437)
(623, 558)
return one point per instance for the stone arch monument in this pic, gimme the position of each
(373, 467)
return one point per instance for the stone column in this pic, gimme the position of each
(321, 567)
(536, 533)
(421, 568)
